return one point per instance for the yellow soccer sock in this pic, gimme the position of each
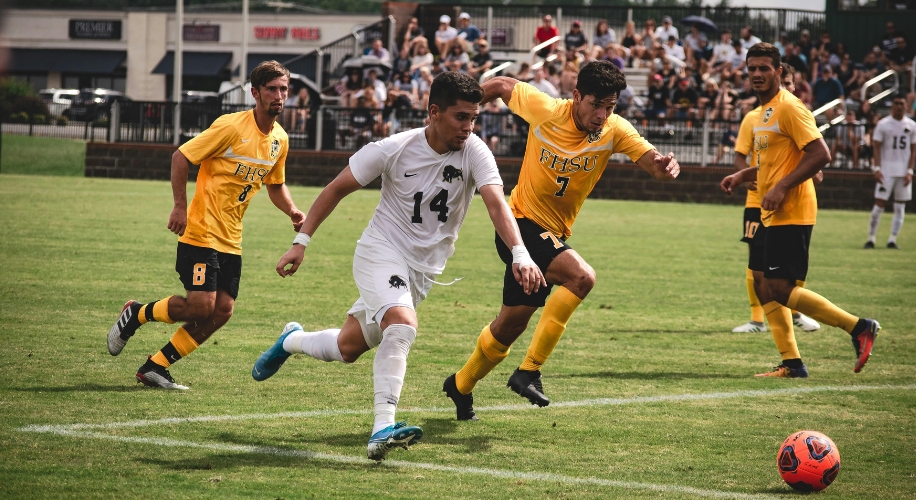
(756, 308)
(180, 346)
(559, 308)
(821, 309)
(488, 353)
(781, 325)
(158, 310)
(799, 284)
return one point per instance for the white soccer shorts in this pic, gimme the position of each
(384, 281)
(894, 185)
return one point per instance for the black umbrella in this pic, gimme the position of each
(702, 23)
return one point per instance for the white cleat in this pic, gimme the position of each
(805, 323)
(750, 327)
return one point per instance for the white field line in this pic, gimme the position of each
(361, 461)
(558, 404)
(81, 431)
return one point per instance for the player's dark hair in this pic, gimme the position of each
(787, 70)
(267, 71)
(764, 49)
(450, 87)
(600, 79)
(899, 95)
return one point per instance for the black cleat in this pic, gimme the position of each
(893, 245)
(124, 328)
(464, 403)
(527, 384)
(153, 375)
(869, 245)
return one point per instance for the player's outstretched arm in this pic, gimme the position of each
(663, 168)
(524, 269)
(327, 201)
(178, 218)
(280, 197)
(817, 156)
(500, 87)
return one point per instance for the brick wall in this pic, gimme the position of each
(840, 189)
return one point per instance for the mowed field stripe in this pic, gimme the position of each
(664, 398)
(451, 469)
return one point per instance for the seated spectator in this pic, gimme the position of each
(826, 89)
(849, 141)
(421, 58)
(738, 61)
(467, 32)
(848, 75)
(666, 30)
(669, 74)
(792, 58)
(888, 41)
(445, 34)
(482, 61)
(423, 84)
(524, 73)
(302, 111)
(747, 98)
(782, 43)
(659, 101)
(704, 53)
(748, 39)
(615, 54)
(545, 32)
(625, 101)
(672, 49)
(540, 82)
(401, 63)
(377, 50)
(437, 68)
(456, 54)
(806, 45)
(685, 101)
(376, 86)
(692, 42)
(901, 61)
(576, 39)
(573, 60)
(707, 96)
(632, 42)
(647, 36)
(867, 116)
(350, 84)
(722, 53)
(723, 106)
(365, 121)
(412, 32)
(404, 92)
(604, 36)
(727, 142)
(802, 89)
(553, 75)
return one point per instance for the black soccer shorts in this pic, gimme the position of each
(751, 224)
(785, 252)
(543, 247)
(203, 269)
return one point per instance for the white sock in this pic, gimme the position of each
(319, 345)
(897, 221)
(876, 212)
(389, 368)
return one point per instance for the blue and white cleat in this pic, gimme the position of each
(399, 435)
(272, 359)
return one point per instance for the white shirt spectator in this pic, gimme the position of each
(446, 35)
(605, 39)
(737, 57)
(750, 42)
(546, 87)
(723, 52)
(663, 33)
(675, 51)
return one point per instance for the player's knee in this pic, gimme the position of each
(583, 282)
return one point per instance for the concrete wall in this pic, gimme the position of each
(840, 189)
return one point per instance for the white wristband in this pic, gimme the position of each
(909, 171)
(521, 256)
(876, 168)
(302, 239)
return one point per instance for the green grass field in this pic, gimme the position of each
(42, 156)
(653, 397)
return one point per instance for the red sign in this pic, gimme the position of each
(270, 32)
(306, 33)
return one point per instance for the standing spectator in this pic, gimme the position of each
(849, 140)
(827, 89)
(421, 58)
(467, 32)
(748, 39)
(545, 32)
(482, 61)
(604, 36)
(576, 39)
(888, 42)
(377, 50)
(540, 82)
(666, 30)
(412, 32)
(445, 34)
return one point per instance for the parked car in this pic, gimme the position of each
(94, 104)
(58, 100)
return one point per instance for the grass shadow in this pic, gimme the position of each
(634, 375)
(81, 388)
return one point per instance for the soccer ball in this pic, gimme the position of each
(808, 461)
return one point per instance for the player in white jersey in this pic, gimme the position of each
(428, 180)
(894, 156)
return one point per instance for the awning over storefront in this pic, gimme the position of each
(87, 62)
(194, 63)
(304, 66)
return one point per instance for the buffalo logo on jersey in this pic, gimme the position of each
(562, 164)
(593, 137)
(451, 173)
(396, 281)
(767, 114)
(274, 149)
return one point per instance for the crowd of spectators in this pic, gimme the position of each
(691, 76)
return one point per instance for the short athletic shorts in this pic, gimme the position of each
(894, 185)
(785, 252)
(751, 224)
(384, 280)
(543, 247)
(203, 269)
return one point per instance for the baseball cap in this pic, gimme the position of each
(577, 23)
(805, 32)
(445, 19)
(783, 34)
(464, 15)
(682, 80)
(656, 77)
(666, 19)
